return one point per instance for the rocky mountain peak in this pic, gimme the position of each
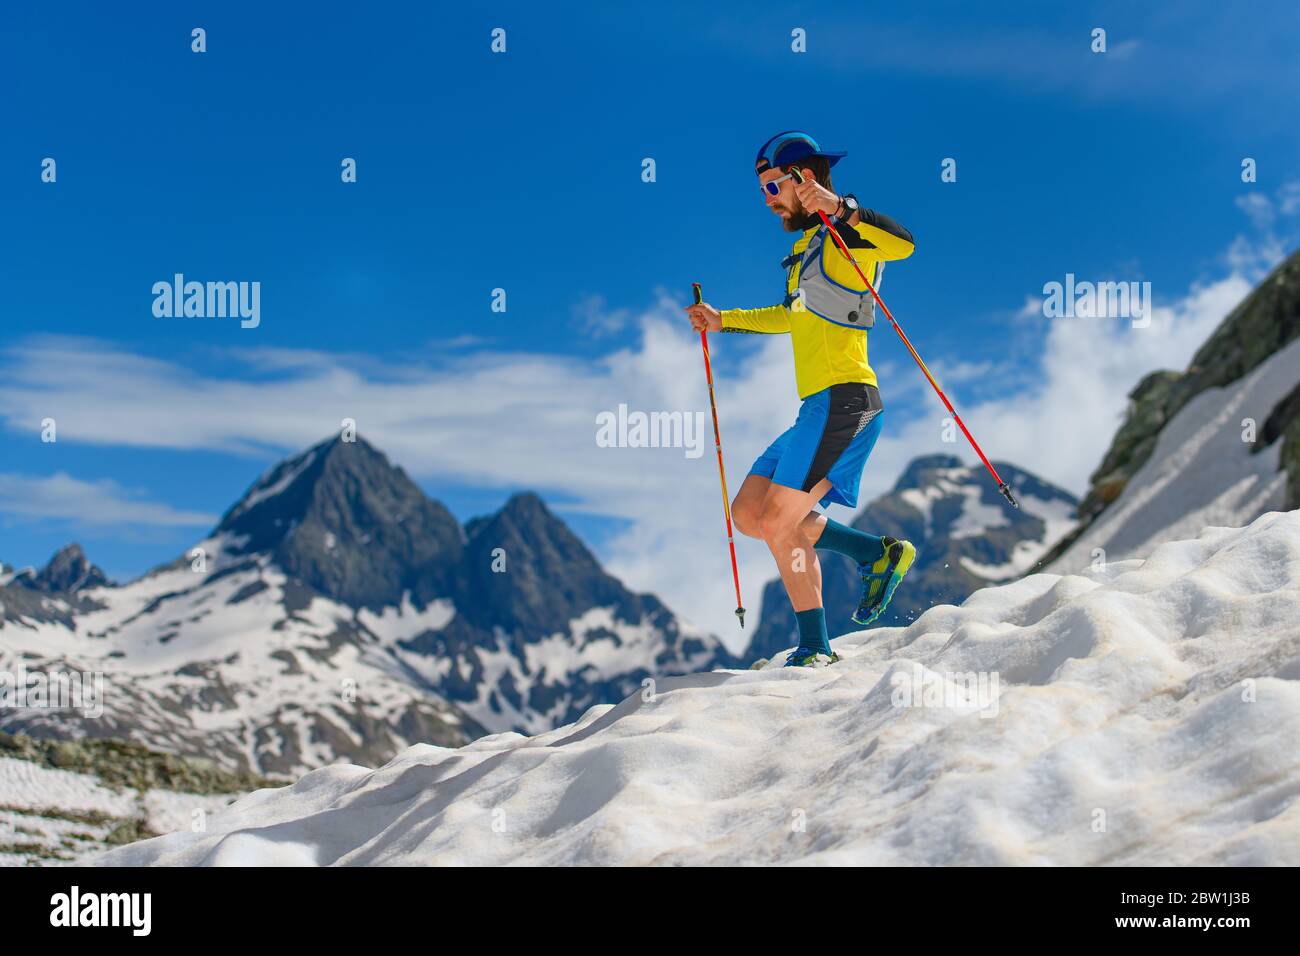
(344, 520)
(532, 573)
(68, 571)
(924, 470)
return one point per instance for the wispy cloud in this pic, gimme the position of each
(1151, 54)
(93, 504)
(595, 316)
(1273, 218)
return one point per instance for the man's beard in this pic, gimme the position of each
(798, 220)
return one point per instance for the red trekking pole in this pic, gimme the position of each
(722, 475)
(1002, 485)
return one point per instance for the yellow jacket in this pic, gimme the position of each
(827, 352)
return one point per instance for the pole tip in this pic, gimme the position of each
(740, 613)
(1006, 493)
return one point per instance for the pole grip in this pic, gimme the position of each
(695, 290)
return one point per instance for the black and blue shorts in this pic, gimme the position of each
(831, 438)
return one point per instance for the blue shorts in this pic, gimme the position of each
(831, 438)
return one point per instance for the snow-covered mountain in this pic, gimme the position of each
(337, 612)
(1145, 713)
(231, 659)
(966, 537)
(1216, 444)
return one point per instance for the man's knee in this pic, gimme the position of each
(745, 516)
(773, 525)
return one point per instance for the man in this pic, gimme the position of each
(827, 312)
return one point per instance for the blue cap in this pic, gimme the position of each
(792, 146)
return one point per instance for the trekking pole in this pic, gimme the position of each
(722, 475)
(1002, 485)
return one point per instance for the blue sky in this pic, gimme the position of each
(522, 170)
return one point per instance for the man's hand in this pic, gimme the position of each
(814, 196)
(704, 316)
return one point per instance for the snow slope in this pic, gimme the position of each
(1201, 471)
(1144, 714)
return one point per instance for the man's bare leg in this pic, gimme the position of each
(787, 526)
(747, 514)
(812, 527)
(747, 506)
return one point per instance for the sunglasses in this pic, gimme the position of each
(773, 187)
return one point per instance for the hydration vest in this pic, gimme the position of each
(823, 296)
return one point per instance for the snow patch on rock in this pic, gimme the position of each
(1201, 471)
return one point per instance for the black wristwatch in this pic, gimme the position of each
(850, 206)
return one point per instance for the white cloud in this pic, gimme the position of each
(1258, 208)
(98, 504)
(1288, 198)
(1253, 255)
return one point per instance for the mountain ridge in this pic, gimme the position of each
(333, 565)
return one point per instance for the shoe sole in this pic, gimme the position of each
(835, 659)
(895, 578)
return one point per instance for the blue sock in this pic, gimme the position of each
(812, 630)
(861, 547)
